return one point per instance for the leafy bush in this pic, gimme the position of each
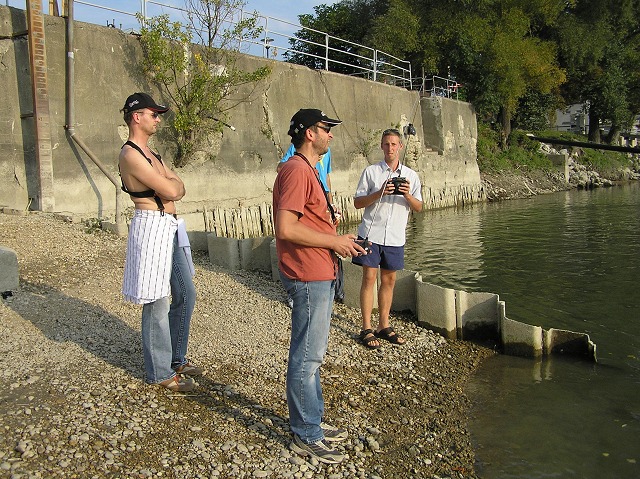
(522, 152)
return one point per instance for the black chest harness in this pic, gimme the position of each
(145, 193)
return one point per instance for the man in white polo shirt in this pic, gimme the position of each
(387, 191)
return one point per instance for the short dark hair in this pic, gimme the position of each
(391, 131)
(298, 140)
(128, 117)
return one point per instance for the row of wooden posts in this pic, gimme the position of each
(257, 221)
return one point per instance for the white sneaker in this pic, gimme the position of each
(319, 449)
(332, 433)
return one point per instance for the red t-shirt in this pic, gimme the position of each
(298, 189)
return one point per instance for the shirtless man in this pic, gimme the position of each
(158, 268)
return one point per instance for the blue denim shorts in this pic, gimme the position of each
(387, 257)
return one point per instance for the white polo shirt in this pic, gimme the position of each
(384, 222)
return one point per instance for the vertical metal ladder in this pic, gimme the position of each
(45, 200)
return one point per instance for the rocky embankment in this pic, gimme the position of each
(75, 405)
(505, 185)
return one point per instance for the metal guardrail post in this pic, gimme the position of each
(375, 65)
(326, 51)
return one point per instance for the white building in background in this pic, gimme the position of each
(573, 119)
(576, 120)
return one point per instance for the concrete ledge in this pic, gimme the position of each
(9, 279)
(477, 315)
(404, 293)
(224, 252)
(352, 282)
(255, 253)
(14, 212)
(520, 339)
(275, 272)
(559, 341)
(451, 313)
(436, 308)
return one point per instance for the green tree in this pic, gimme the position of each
(493, 47)
(599, 47)
(195, 67)
(349, 20)
(499, 58)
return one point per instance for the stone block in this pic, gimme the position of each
(352, 282)
(436, 308)
(404, 292)
(559, 341)
(275, 271)
(9, 278)
(118, 229)
(224, 252)
(520, 339)
(477, 316)
(255, 253)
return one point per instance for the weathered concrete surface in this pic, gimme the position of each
(520, 339)
(237, 168)
(8, 270)
(436, 308)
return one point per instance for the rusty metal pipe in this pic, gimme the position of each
(70, 126)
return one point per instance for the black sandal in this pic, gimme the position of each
(388, 334)
(367, 336)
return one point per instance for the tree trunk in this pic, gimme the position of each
(594, 128)
(613, 137)
(505, 130)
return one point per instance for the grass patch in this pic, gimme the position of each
(522, 153)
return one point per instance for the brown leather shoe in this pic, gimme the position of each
(178, 384)
(189, 369)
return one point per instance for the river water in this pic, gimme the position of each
(569, 260)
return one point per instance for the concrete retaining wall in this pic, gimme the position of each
(237, 168)
(453, 314)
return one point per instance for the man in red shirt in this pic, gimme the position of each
(307, 243)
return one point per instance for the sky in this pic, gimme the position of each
(287, 10)
(279, 27)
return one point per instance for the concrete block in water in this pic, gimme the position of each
(8, 270)
(520, 339)
(477, 315)
(559, 341)
(436, 308)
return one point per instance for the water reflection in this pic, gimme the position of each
(447, 245)
(570, 261)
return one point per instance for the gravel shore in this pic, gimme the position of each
(75, 405)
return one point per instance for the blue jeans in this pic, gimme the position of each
(165, 325)
(310, 320)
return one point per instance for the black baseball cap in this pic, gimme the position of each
(307, 117)
(139, 101)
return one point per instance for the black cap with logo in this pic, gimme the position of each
(307, 117)
(139, 101)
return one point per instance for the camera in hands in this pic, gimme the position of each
(364, 243)
(396, 181)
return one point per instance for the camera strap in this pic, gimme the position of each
(326, 195)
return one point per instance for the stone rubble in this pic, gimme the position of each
(75, 404)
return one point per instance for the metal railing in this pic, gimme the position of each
(439, 86)
(274, 42)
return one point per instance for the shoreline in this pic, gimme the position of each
(78, 406)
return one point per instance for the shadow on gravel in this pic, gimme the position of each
(224, 400)
(62, 318)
